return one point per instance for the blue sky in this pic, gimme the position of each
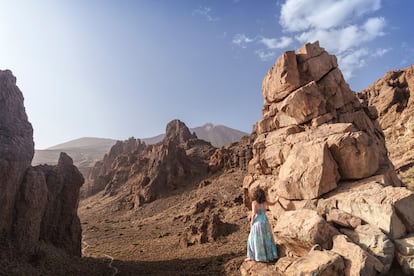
(116, 69)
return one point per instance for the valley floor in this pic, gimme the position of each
(147, 241)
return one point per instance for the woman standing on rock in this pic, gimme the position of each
(261, 245)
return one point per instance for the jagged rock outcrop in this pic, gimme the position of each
(16, 147)
(393, 98)
(39, 204)
(236, 155)
(148, 172)
(323, 152)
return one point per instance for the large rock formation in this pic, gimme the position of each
(393, 97)
(39, 204)
(148, 172)
(140, 173)
(324, 154)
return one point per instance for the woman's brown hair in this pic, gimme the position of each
(259, 195)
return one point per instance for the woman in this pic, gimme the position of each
(261, 245)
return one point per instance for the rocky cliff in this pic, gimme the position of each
(393, 97)
(39, 204)
(323, 152)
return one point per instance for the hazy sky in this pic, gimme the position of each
(116, 69)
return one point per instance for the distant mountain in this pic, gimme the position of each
(89, 143)
(86, 151)
(217, 135)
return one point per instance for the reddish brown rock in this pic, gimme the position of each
(149, 172)
(234, 156)
(39, 204)
(16, 147)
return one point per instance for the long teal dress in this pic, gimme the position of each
(261, 245)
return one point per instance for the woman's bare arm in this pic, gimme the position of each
(271, 203)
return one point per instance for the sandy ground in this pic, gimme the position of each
(146, 241)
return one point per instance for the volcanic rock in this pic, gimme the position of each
(39, 204)
(143, 173)
(16, 147)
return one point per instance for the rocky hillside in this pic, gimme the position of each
(393, 97)
(38, 216)
(323, 152)
(148, 172)
(87, 151)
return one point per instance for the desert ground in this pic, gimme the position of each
(146, 241)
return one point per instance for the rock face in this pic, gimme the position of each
(39, 204)
(323, 152)
(393, 98)
(16, 147)
(148, 172)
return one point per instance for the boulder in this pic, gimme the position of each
(384, 207)
(308, 172)
(342, 219)
(405, 246)
(357, 260)
(251, 268)
(355, 153)
(316, 262)
(300, 230)
(375, 242)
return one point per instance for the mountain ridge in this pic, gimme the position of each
(86, 151)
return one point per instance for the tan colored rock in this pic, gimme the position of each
(375, 242)
(355, 153)
(251, 268)
(300, 230)
(393, 96)
(335, 90)
(357, 260)
(384, 207)
(282, 79)
(308, 172)
(316, 262)
(405, 246)
(314, 62)
(301, 106)
(342, 218)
